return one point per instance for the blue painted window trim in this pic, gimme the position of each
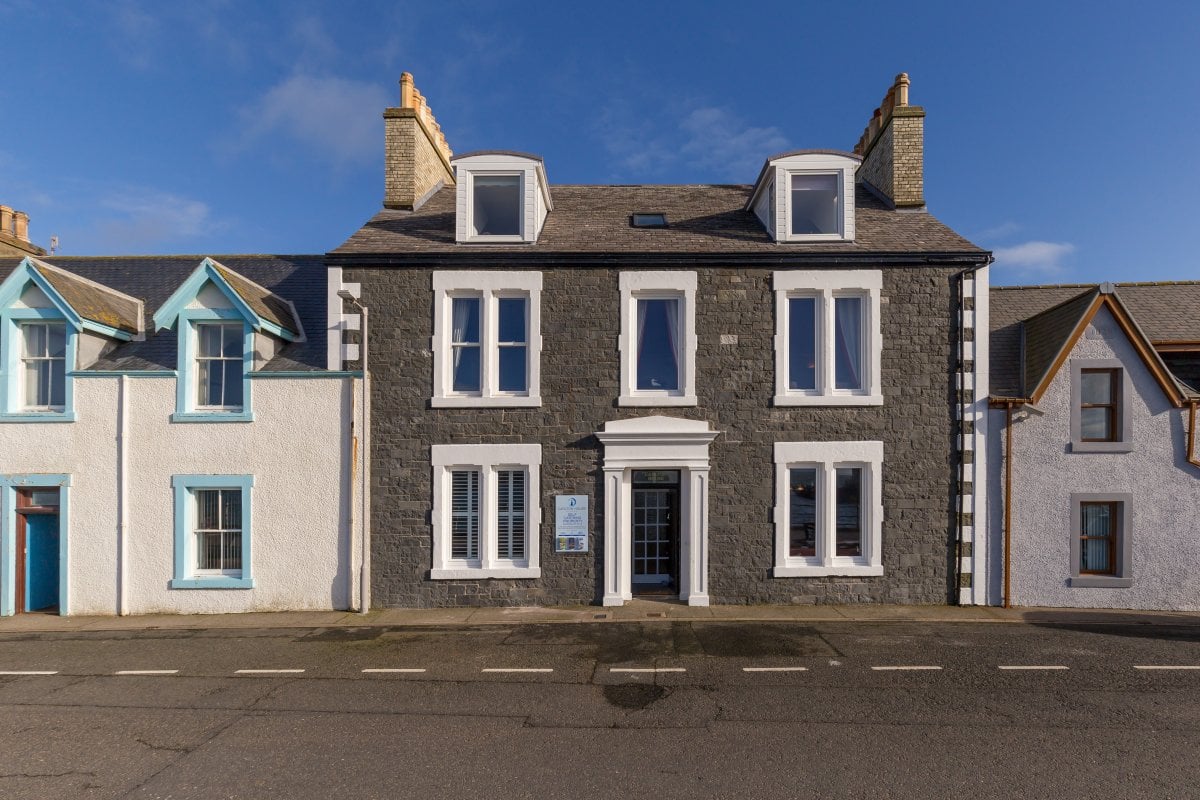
(185, 386)
(10, 359)
(176, 305)
(8, 537)
(185, 576)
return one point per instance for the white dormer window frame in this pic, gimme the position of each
(534, 195)
(772, 202)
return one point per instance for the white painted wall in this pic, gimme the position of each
(297, 448)
(1166, 491)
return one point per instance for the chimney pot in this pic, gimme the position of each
(21, 225)
(6, 219)
(901, 89)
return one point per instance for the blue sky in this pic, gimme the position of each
(1060, 135)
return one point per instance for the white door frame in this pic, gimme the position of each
(656, 443)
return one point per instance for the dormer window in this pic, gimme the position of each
(502, 198)
(496, 209)
(807, 196)
(816, 207)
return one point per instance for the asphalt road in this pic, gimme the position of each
(630, 710)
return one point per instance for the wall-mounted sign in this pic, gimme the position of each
(571, 523)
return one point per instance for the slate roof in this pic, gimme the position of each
(91, 300)
(1045, 315)
(262, 300)
(152, 279)
(704, 219)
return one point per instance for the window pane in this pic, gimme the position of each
(233, 550)
(231, 509)
(512, 319)
(847, 339)
(466, 369)
(57, 345)
(512, 369)
(657, 344)
(34, 394)
(35, 340)
(1096, 386)
(233, 341)
(233, 383)
(802, 519)
(815, 204)
(208, 550)
(208, 340)
(208, 509)
(802, 344)
(497, 205)
(212, 384)
(1094, 423)
(1096, 519)
(57, 376)
(1093, 556)
(465, 313)
(849, 511)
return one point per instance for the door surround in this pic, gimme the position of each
(9, 484)
(656, 443)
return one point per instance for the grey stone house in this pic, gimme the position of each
(1095, 471)
(760, 393)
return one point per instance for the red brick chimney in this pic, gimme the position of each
(893, 149)
(416, 155)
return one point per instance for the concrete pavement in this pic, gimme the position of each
(635, 611)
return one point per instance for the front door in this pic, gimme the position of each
(655, 531)
(37, 549)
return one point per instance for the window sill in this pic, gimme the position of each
(38, 416)
(653, 401)
(785, 400)
(495, 239)
(215, 582)
(1101, 447)
(497, 401)
(1099, 582)
(791, 238)
(477, 573)
(815, 572)
(213, 416)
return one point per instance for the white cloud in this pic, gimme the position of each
(336, 117)
(1034, 258)
(142, 219)
(1001, 231)
(719, 141)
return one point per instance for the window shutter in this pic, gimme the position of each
(464, 514)
(510, 523)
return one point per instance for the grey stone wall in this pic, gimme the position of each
(735, 384)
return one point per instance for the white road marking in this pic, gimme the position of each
(29, 672)
(268, 671)
(1166, 666)
(393, 669)
(147, 672)
(1032, 666)
(774, 669)
(518, 669)
(904, 668)
(646, 669)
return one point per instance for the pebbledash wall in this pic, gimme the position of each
(297, 449)
(1165, 550)
(735, 365)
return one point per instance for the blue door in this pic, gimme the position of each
(41, 561)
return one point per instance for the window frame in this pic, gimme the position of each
(827, 286)
(1122, 548)
(522, 198)
(186, 388)
(658, 285)
(840, 234)
(490, 287)
(1122, 416)
(826, 458)
(186, 574)
(489, 460)
(11, 349)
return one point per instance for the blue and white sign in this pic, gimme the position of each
(571, 523)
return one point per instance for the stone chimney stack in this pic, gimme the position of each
(416, 155)
(893, 149)
(14, 234)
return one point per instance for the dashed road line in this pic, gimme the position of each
(518, 669)
(906, 668)
(29, 672)
(1166, 666)
(146, 672)
(372, 670)
(774, 669)
(1032, 667)
(268, 671)
(647, 669)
